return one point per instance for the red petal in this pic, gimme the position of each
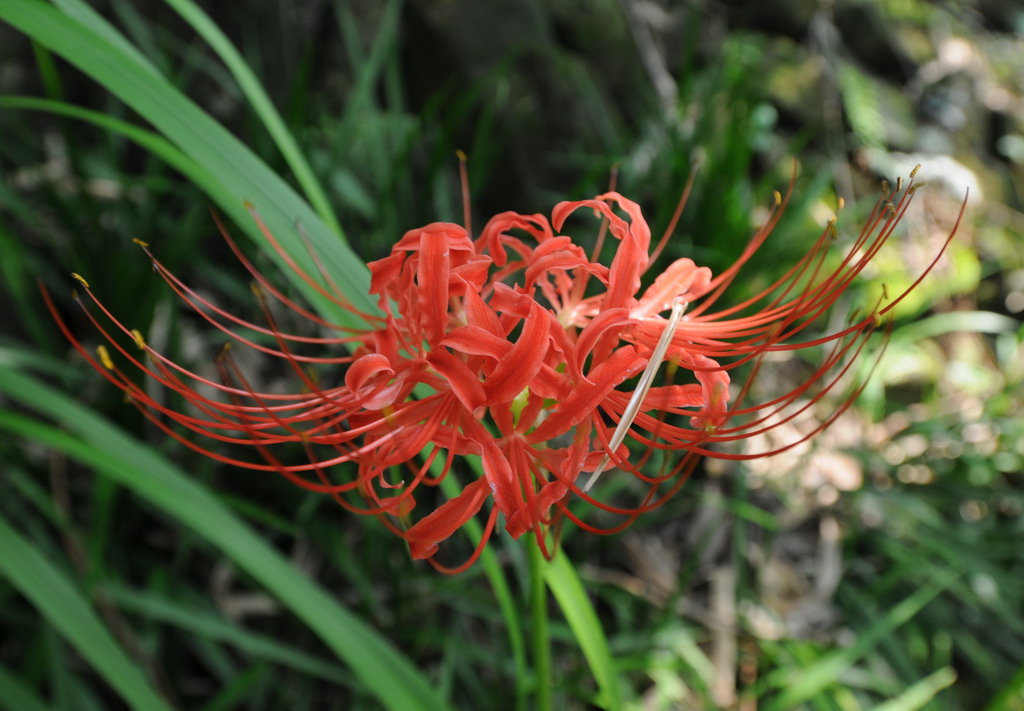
(479, 314)
(715, 386)
(365, 368)
(584, 398)
(600, 325)
(473, 340)
(432, 279)
(424, 536)
(683, 279)
(463, 381)
(515, 371)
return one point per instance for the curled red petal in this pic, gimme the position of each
(474, 340)
(364, 369)
(682, 279)
(435, 527)
(462, 380)
(515, 371)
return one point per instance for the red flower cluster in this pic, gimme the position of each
(517, 348)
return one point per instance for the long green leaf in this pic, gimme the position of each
(84, 13)
(566, 586)
(261, 104)
(53, 594)
(241, 176)
(385, 672)
(920, 693)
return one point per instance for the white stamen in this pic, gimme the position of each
(642, 388)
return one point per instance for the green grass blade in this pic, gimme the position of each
(385, 672)
(241, 174)
(368, 69)
(84, 14)
(920, 693)
(217, 629)
(827, 668)
(242, 686)
(53, 594)
(566, 586)
(15, 696)
(261, 104)
(152, 142)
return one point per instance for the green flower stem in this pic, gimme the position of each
(539, 626)
(567, 588)
(502, 592)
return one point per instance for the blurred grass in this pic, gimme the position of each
(380, 119)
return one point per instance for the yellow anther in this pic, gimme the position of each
(254, 287)
(778, 198)
(140, 242)
(139, 340)
(461, 155)
(885, 187)
(842, 203)
(899, 184)
(914, 171)
(80, 278)
(915, 187)
(104, 355)
(248, 206)
(832, 229)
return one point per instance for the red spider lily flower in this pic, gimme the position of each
(517, 348)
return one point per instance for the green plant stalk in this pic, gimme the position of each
(565, 584)
(539, 630)
(84, 14)
(502, 593)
